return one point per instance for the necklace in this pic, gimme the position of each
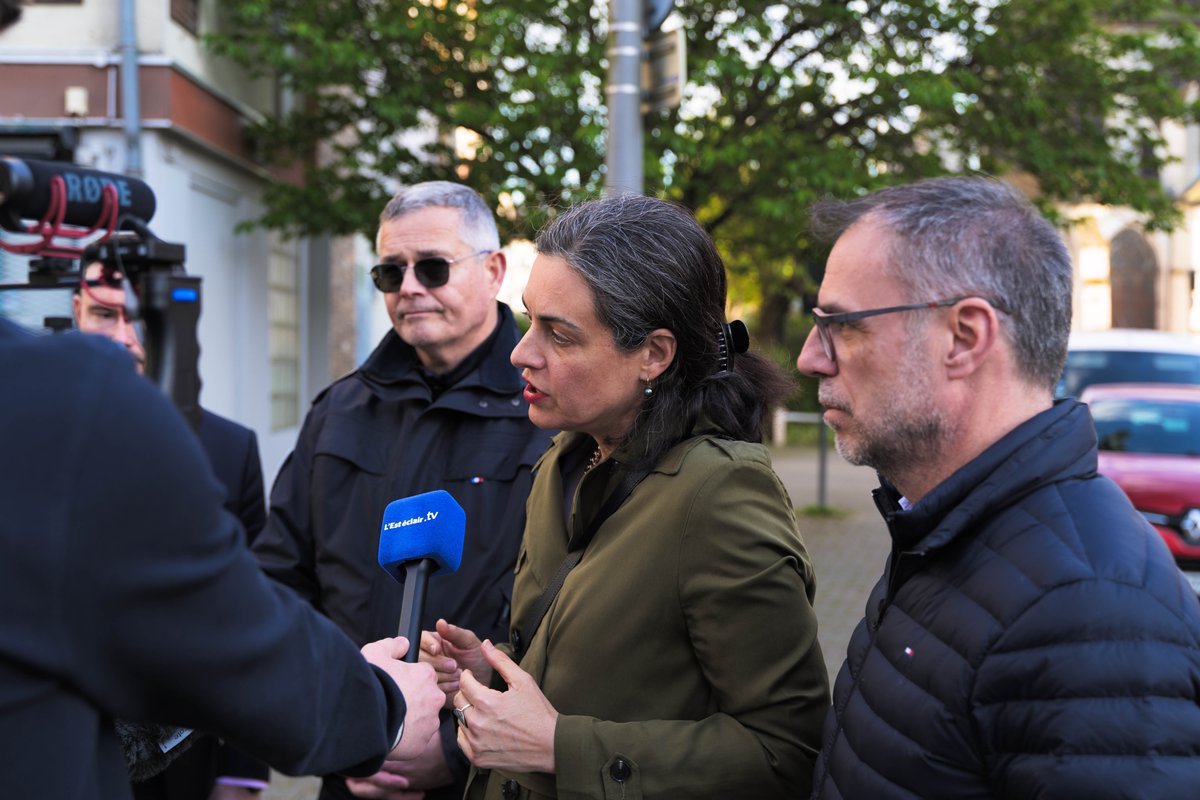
(593, 461)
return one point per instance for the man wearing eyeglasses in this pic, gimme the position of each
(208, 770)
(437, 405)
(1030, 636)
(99, 307)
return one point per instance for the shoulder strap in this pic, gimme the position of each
(521, 634)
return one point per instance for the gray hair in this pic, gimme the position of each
(478, 222)
(974, 236)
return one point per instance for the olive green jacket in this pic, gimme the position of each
(681, 652)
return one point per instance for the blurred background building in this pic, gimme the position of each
(266, 308)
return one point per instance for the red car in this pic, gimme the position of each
(1149, 438)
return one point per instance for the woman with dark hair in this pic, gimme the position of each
(663, 640)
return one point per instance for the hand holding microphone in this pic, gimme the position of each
(420, 536)
(422, 697)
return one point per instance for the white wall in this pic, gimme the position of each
(201, 199)
(65, 30)
(189, 53)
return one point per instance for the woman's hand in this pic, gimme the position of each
(450, 650)
(512, 730)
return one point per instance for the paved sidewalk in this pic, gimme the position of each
(848, 551)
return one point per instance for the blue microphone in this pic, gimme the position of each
(421, 536)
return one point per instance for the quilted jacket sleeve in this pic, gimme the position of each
(1083, 696)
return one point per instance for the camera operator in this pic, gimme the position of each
(232, 449)
(129, 593)
(98, 306)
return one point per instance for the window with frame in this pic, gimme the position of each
(283, 336)
(187, 14)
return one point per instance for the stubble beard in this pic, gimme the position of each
(897, 449)
(909, 433)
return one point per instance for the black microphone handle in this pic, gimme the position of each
(416, 576)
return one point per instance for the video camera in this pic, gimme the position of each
(84, 216)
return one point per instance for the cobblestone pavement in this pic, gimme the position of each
(847, 549)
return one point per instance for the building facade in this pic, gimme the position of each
(1127, 277)
(66, 71)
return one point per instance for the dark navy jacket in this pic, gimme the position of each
(127, 592)
(379, 434)
(232, 451)
(1031, 637)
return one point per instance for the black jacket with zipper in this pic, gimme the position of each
(1031, 637)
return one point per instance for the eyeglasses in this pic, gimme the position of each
(822, 321)
(108, 280)
(431, 272)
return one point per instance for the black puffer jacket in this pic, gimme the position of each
(1031, 638)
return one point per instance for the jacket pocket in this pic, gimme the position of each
(493, 456)
(351, 440)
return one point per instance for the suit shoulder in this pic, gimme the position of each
(59, 355)
(59, 369)
(217, 422)
(223, 433)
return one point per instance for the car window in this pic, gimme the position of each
(1134, 425)
(1085, 367)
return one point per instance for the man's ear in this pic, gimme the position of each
(76, 307)
(494, 267)
(974, 334)
(658, 351)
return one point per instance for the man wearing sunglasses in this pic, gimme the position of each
(437, 405)
(208, 770)
(1030, 636)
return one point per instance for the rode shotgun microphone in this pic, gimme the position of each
(421, 536)
(25, 193)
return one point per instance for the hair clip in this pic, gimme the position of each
(732, 337)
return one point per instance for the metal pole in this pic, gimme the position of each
(624, 94)
(131, 105)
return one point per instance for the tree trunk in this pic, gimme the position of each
(772, 317)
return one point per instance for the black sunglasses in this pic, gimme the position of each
(432, 272)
